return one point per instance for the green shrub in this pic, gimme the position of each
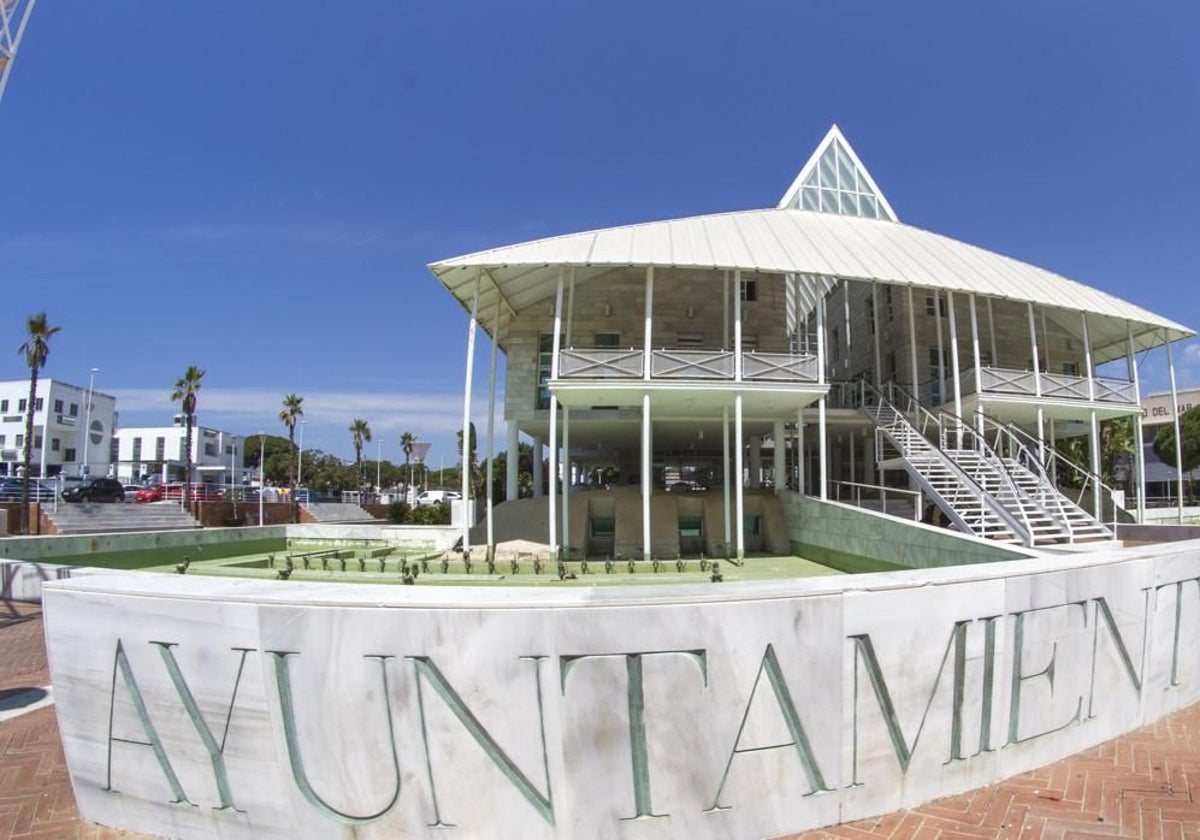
(398, 513)
(429, 515)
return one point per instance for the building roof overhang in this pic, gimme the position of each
(819, 247)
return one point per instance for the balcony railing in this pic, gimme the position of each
(1058, 386)
(687, 364)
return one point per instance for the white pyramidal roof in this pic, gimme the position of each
(851, 234)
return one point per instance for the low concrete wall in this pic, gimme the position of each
(235, 514)
(838, 534)
(21, 580)
(440, 537)
(1158, 533)
(220, 708)
(78, 549)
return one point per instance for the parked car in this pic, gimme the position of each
(131, 491)
(95, 490)
(153, 493)
(437, 497)
(305, 496)
(11, 489)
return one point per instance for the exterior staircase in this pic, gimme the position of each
(998, 490)
(338, 512)
(98, 518)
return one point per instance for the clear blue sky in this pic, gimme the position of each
(257, 191)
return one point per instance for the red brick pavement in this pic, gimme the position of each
(1139, 785)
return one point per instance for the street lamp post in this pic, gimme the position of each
(378, 464)
(84, 469)
(262, 484)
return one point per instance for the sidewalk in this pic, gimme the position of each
(1139, 785)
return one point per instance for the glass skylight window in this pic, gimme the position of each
(835, 181)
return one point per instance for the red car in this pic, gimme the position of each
(153, 493)
(200, 492)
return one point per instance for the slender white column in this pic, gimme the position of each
(875, 329)
(1139, 453)
(957, 367)
(647, 327)
(912, 347)
(978, 365)
(566, 483)
(571, 307)
(1094, 446)
(780, 469)
(737, 331)
(1087, 358)
(822, 375)
(466, 423)
(538, 452)
(737, 469)
(512, 467)
(941, 351)
(1175, 411)
(822, 470)
(491, 434)
(647, 477)
(1037, 384)
(846, 323)
(726, 478)
(853, 455)
(800, 459)
(992, 333)
(552, 493)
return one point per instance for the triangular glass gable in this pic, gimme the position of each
(835, 181)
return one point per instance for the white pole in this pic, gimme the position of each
(512, 489)
(800, 459)
(954, 361)
(1037, 384)
(1178, 439)
(822, 475)
(262, 484)
(552, 491)
(647, 484)
(780, 467)
(491, 433)
(912, 348)
(941, 351)
(737, 338)
(978, 365)
(566, 483)
(647, 326)
(1087, 359)
(1139, 454)
(378, 465)
(737, 469)
(87, 422)
(726, 479)
(466, 423)
(299, 455)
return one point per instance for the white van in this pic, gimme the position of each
(437, 497)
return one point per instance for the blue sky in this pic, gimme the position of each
(258, 192)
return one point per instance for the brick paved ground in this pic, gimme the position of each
(1139, 785)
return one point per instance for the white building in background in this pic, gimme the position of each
(61, 414)
(159, 451)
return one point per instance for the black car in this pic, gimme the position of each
(95, 490)
(12, 488)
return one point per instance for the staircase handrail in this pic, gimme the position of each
(1019, 528)
(965, 429)
(913, 406)
(1053, 455)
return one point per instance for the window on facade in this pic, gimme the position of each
(835, 343)
(4, 406)
(2, 439)
(871, 315)
(160, 448)
(690, 340)
(22, 404)
(606, 339)
(58, 406)
(137, 449)
(183, 450)
(55, 444)
(37, 441)
(939, 307)
(210, 449)
(69, 455)
(74, 409)
(887, 297)
(933, 361)
(20, 441)
(37, 406)
(750, 290)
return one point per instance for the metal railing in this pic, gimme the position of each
(687, 364)
(994, 380)
(859, 495)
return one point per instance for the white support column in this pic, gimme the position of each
(552, 477)
(957, 367)
(846, 323)
(725, 470)
(1087, 359)
(647, 477)
(978, 365)
(737, 331)
(780, 466)
(1037, 384)
(539, 446)
(853, 455)
(1094, 447)
(912, 347)
(737, 484)
(491, 435)
(566, 482)
(822, 470)
(875, 330)
(992, 333)
(1139, 452)
(800, 459)
(466, 423)
(647, 327)
(512, 469)
(571, 307)
(1175, 411)
(941, 346)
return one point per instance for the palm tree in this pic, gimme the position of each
(185, 394)
(406, 445)
(362, 434)
(290, 414)
(35, 349)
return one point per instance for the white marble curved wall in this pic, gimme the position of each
(202, 707)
